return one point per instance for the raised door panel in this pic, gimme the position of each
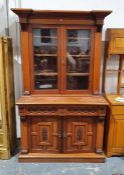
(118, 141)
(44, 134)
(116, 44)
(79, 135)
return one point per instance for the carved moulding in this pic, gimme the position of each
(61, 110)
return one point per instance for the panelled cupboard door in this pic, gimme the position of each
(44, 134)
(67, 135)
(61, 59)
(79, 134)
(118, 141)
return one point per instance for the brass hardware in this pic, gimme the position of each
(64, 135)
(59, 134)
(23, 118)
(26, 92)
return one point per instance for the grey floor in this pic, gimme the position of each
(112, 166)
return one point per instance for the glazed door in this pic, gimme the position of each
(79, 135)
(45, 134)
(45, 62)
(78, 59)
(62, 59)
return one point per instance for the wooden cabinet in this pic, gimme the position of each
(62, 113)
(7, 100)
(114, 143)
(114, 137)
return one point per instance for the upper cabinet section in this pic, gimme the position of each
(61, 51)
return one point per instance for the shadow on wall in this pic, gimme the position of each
(14, 32)
(2, 20)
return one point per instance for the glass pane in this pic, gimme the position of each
(112, 70)
(46, 82)
(45, 58)
(112, 74)
(77, 82)
(78, 59)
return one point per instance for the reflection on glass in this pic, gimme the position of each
(46, 82)
(78, 59)
(45, 58)
(77, 82)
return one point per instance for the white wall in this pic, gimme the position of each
(9, 26)
(3, 18)
(114, 20)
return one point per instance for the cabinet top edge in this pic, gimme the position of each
(111, 98)
(95, 13)
(61, 100)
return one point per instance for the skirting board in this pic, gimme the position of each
(80, 157)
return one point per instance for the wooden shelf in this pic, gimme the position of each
(83, 56)
(45, 55)
(78, 38)
(46, 74)
(77, 74)
(114, 71)
(44, 37)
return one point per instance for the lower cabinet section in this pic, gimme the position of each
(114, 135)
(115, 141)
(62, 134)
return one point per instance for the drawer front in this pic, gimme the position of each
(118, 117)
(62, 110)
(117, 110)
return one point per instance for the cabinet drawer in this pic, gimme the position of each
(117, 109)
(121, 117)
(62, 110)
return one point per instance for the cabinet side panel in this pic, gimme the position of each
(97, 60)
(25, 60)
